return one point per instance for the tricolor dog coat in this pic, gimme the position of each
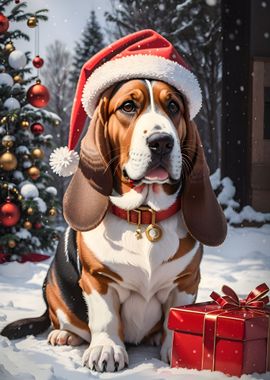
(139, 205)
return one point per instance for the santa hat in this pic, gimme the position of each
(144, 54)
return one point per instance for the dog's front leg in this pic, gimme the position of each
(107, 350)
(176, 298)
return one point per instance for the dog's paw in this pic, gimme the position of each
(64, 337)
(105, 356)
(165, 352)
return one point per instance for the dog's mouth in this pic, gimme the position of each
(157, 174)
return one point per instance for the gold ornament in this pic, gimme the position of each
(33, 172)
(17, 78)
(12, 243)
(8, 161)
(13, 118)
(20, 197)
(9, 47)
(57, 123)
(8, 141)
(37, 153)
(53, 211)
(30, 211)
(3, 120)
(5, 186)
(27, 225)
(24, 124)
(32, 22)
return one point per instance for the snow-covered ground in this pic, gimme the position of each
(242, 262)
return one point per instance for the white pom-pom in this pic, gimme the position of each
(63, 161)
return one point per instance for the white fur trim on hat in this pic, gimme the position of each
(142, 66)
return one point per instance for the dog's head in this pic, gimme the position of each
(141, 142)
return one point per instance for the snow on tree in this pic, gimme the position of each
(91, 42)
(27, 209)
(194, 27)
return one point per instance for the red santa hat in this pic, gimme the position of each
(144, 54)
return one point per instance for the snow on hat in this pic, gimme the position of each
(143, 54)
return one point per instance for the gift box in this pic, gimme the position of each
(227, 335)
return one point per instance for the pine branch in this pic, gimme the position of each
(15, 34)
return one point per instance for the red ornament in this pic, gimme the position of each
(38, 226)
(17, 1)
(9, 213)
(38, 62)
(37, 129)
(38, 95)
(4, 23)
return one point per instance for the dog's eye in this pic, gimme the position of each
(128, 106)
(173, 107)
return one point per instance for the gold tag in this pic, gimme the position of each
(138, 234)
(153, 232)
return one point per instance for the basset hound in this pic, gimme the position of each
(139, 208)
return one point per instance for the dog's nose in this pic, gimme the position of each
(160, 143)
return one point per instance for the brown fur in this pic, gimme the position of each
(189, 279)
(185, 246)
(95, 275)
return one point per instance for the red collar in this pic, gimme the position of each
(145, 215)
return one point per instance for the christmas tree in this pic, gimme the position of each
(28, 202)
(91, 42)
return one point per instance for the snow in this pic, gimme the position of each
(22, 149)
(23, 234)
(41, 204)
(211, 3)
(231, 207)
(242, 262)
(180, 7)
(28, 190)
(52, 190)
(18, 175)
(42, 113)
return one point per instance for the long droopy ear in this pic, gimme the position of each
(203, 215)
(86, 199)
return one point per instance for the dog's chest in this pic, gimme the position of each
(143, 265)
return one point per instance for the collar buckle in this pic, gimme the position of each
(153, 231)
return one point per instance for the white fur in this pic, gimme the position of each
(66, 243)
(65, 324)
(175, 298)
(156, 200)
(142, 66)
(148, 278)
(104, 324)
(140, 153)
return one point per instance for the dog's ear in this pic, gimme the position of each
(202, 213)
(86, 199)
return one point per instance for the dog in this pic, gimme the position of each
(139, 207)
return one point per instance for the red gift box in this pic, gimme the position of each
(228, 335)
